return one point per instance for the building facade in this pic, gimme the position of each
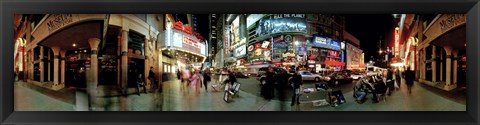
(353, 52)
(436, 49)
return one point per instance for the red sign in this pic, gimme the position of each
(397, 37)
(179, 26)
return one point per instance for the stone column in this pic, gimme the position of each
(62, 75)
(56, 51)
(434, 64)
(455, 65)
(93, 73)
(146, 66)
(94, 60)
(442, 71)
(124, 60)
(119, 52)
(42, 64)
(448, 51)
(48, 66)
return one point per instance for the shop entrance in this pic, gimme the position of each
(462, 69)
(75, 74)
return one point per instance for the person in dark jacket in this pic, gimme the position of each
(282, 80)
(390, 82)
(297, 84)
(151, 77)
(398, 79)
(269, 85)
(409, 79)
(206, 79)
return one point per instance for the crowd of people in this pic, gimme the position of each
(197, 79)
(382, 84)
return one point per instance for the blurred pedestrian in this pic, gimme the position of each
(151, 77)
(179, 74)
(140, 83)
(409, 79)
(398, 79)
(297, 84)
(282, 81)
(196, 81)
(269, 85)
(206, 79)
(186, 80)
(390, 82)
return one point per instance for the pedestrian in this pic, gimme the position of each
(151, 77)
(140, 83)
(269, 85)
(409, 79)
(206, 79)
(380, 88)
(361, 90)
(179, 74)
(196, 81)
(297, 84)
(282, 81)
(398, 79)
(185, 80)
(231, 78)
(390, 82)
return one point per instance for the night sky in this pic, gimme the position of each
(369, 28)
(202, 25)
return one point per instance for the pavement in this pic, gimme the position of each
(423, 98)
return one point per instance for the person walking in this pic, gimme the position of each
(398, 79)
(409, 79)
(269, 85)
(151, 77)
(185, 80)
(390, 82)
(196, 81)
(282, 81)
(297, 84)
(206, 79)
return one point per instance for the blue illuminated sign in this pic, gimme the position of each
(326, 42)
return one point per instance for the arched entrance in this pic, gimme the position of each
(70, 47)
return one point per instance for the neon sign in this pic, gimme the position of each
(397, 37)
(179, 26)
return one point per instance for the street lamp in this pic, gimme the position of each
(380, 51)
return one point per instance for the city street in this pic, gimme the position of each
(422, 99)
(100, 68)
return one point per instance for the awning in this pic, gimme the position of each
(334, 63)
(455, 38)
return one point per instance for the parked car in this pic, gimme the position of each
(356, 75)
(306, 75)
(240, 75)
(277, 70)
(338, 77)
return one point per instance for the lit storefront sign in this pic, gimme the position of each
(241, 51)
(397, 38)
(184, 41)
(326, 43)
